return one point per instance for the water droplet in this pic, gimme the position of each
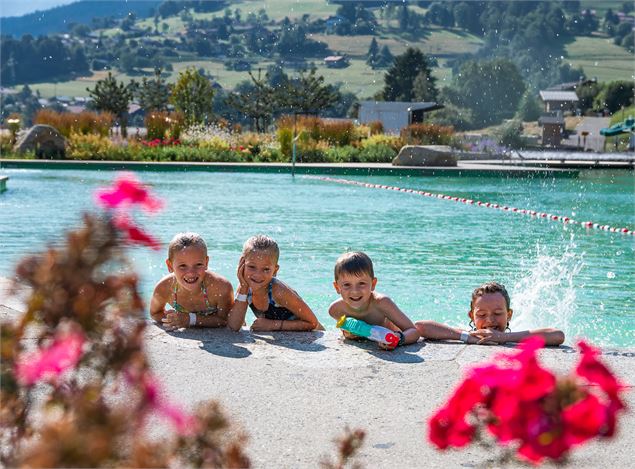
(610, 275)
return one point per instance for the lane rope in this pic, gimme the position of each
(505, 208)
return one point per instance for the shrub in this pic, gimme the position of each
(377, 154)
(285, 139)
(162, 124)
(335, 132)
(391, 141)
(427, 134)
(376, 127)
(83, 123)
(93, 147)
(510, 135)
(346, 154)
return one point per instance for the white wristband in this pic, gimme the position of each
(192, 319)
(464, 336)
(241, 297)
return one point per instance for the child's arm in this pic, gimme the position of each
(158, 301)
(550, 335)
(238, 311)
(287, 298)
(336, 312)
(437, 331)
(225, 294)
(399, 319)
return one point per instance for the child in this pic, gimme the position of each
(355, 281)
(489, 317)
(276, 306)
(197, 296)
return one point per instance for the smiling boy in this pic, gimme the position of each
(355, 281)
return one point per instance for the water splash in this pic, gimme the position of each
(546, 294)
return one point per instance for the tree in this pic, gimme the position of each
(385, 58)
(529, 108)
(587, 94)
(256, 99)
(615, 95)
(193, 95)
(114, 97)
(308, 93)
(153, 94)
(424, 87)
(491, 90)
(399, 79)
(373, 50)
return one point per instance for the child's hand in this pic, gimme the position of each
(488, 336)
(261, 324)
(348, 335)
(384, 346)
(240, 273)
(174, 320)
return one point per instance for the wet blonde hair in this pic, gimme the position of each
(185, 240)
(262, 243)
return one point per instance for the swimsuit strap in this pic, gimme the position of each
(271, 300)
(179, 308)
(205, 297)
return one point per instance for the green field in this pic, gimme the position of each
(600, 58)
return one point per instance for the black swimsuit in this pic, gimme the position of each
(274, 311)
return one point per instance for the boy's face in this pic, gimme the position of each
(189, 266)
(260, 268)
(490, 311)
(355, 289)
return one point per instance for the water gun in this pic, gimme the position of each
(363, 329)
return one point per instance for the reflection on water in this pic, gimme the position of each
(429, 254)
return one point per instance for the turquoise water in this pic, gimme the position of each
(429, 254)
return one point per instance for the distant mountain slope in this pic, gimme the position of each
(57, 19)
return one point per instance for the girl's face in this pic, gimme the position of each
(490, 311)
(355, 289)
(189, 266)
(260, 268)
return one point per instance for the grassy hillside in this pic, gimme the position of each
(600, 58)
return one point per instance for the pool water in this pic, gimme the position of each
(429, 254)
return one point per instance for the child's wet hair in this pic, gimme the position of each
(487, 288)
(185, 240)
(262, 243)
(355, 263)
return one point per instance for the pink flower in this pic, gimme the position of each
(133, 233)
(184, 423)
(49, 362)
(128, 190)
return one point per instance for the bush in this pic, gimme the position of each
(376, 127)
(391, 141)
(346, 154)
(93, 147)
(459, 118)
(285, 139)
(162, 124)
(83, 123)
(510, 135)
(377, 154)
(427, 134)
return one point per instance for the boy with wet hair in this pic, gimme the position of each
(355, 281)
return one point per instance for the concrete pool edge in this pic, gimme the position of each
(358, 169)
(3, 183)
(312, 385)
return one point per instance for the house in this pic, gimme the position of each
(552, 125)
(395, 115)
(336, 61)
(559, 100)
(572, 85)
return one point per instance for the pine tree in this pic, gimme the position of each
(373, 50)
(112, 96)
(308, 93)
(399, 79)
(385, 58)
(154, 94)
(256, 100)
(424, 87)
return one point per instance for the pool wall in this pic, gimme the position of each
(358, 169)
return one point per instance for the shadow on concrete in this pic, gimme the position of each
(218, 341)
(403, 354)
(302, 341)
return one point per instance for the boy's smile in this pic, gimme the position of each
(489, 311)
(355, 290)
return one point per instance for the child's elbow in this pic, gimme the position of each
(558, 337)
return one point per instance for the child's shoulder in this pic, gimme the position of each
(164, 285)
(213, 279)
(382, 300)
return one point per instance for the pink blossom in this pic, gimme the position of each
(128, 190)
(49, 362)
(134, 233)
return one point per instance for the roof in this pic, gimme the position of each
(547, 95)
(396, 106)
(334, 58)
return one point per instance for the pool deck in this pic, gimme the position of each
(494, 168)
(294, 393)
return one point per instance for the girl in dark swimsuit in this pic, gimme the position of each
(276, 306)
